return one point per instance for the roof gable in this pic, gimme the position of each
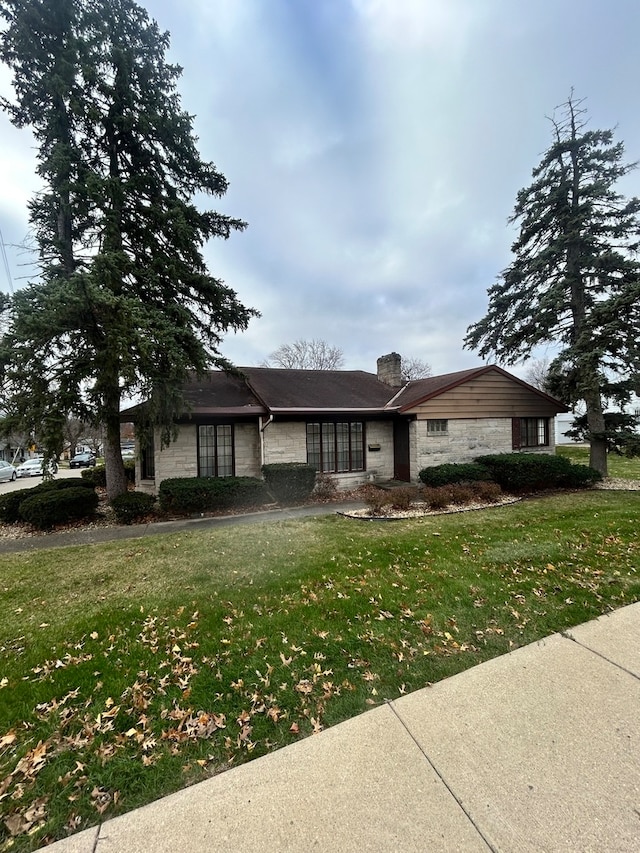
(420, 391)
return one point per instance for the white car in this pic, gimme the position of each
(33, 468)
(7, 471)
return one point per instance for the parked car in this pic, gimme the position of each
(34, 468)
(83, 460)
(7, 471)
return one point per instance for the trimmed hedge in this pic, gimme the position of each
(290, 482)
(530, 472)
(201, 494)
(464, 472)
(56, 506)
(132, 505)
(11, 502)
(97, 475)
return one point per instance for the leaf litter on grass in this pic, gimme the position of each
(156, 697)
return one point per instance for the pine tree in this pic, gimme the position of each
(575, 279)
(124, 304)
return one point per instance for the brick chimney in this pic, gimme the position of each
(390, 369)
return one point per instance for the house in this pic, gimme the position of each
(352, 425)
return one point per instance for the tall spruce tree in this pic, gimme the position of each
(575, 278)
(124, 303)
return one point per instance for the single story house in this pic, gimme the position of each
(352, 425)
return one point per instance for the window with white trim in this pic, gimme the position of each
(437, 426)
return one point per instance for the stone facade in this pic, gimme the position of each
(465, 439)
(286, 441)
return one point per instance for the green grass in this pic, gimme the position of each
(618, 466)
(131, 669)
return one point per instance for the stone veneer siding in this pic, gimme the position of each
(286, 441)
(180, 458)
(466, 439)
(283, 441)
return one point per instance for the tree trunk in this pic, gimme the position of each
(114, 466)
(598, 442)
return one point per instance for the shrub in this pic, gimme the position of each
(435, 497)
(582, 477)
(528, 472)
(519, 472)
(442, 475)
(375, 498)
(201, 494)
(290, 482)
(10, 503)
(325, 487)
(458, 494)
(49, 507)
(632, 447)
(403, 496)
(96, 476)
(130, 506)
(486, 492)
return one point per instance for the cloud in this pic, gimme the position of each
(375, 148)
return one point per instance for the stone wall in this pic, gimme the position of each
(285, 441)
(378, 463)
(467, 438)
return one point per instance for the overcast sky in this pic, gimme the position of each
(375, 147)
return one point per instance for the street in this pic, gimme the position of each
(29, 482)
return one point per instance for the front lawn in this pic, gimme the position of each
(618, 466)
(131, 669)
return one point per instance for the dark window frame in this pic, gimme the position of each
(330, 447)
(527, 432)
(215, 458)
(148, 458)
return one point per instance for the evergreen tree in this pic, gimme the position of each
(575, 280)
(124, 304)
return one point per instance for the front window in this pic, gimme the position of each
(215, 450)
(334, 448)
(534, 432)
(147, 458)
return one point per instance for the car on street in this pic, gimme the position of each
(7, 471)
(34, 468)
(82, 460)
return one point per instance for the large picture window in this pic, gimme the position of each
(215, 450)
(335, 448)
(531, 432)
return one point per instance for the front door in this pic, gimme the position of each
(401, 467)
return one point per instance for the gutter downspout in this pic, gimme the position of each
(263, 426)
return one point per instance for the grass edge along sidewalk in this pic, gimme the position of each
(131, 669)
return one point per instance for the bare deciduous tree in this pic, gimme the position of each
(306, 355)
(415, 368)
(538, 373)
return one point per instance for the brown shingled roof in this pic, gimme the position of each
(291, 390)
(218, 390)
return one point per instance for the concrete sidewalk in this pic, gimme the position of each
(538, 750)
